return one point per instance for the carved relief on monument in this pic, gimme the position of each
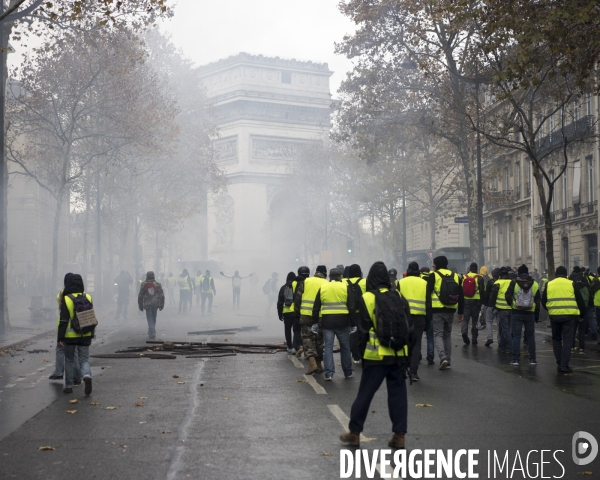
(224, 208)
(271, 149)
(272, 111)
(590, 225)
(226, 151)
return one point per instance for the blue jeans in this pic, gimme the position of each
(504, 340)
(343, 335)
(59, 365)
(151, 318)
(518, 320)
(591, 316)
(430, 344)
(84, 356)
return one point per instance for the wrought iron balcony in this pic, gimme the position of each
(575, 130)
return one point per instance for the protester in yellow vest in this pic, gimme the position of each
(379, 363)
(171, 283)
(303, 274)
(355, 277)
(286, 313)
(566, 308)
(71, 340)
(186, 287)
(472, 281)
(312, 339)
(331, 308)
(502, 311)
(414, 290)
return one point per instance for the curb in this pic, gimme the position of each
(39, 336)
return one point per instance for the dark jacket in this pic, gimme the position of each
(581, 305)
(525, 282)
(123, 281)
(488, 293)
(291, 277)
(73, 285)
(147, 301)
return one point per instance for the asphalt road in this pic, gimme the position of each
(256, 416)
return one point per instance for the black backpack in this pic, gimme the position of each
(84, 319)
(449, 290)
(393, 329)
(354, 295)
(288, 295)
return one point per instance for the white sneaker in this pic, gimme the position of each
(293, 352)
(328, 379)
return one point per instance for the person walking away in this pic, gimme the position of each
(444, 288)
(385, 357)
(473, 289)
(331, 315)
(208, 290)
(75, 299)
(524, 298)
(123, 283)
(197, 289)
(286, 313)
(565, 307)
(595, 291)
(502, 310)
(303, 274)
(490, 309)
(171, 282)
(236, 284)
(425, 271)
(312, 343)
(271, 289)
(357, 286)
(543, 312)
(151, 298)
(414, 290)
(59, 363)
(581, 283)
(393, 277)
(184, 282)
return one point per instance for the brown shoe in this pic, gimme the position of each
(320, 366)
(397, 441)
(351, 438)
(299, 352)
(312, 366)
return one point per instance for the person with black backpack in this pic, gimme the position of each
(445, 289)
(286, 313)
(71, 335)
(385, 329)
(582, 284)
(303, 274)
(357, 286)
(151, 298)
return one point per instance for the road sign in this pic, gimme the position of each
(430, 254)
(461, 219)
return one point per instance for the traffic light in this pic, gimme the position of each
(350, 244)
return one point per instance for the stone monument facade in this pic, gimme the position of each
(266, 110)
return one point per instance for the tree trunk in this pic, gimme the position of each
(55, 229)
(546, 204)
(432, 218)
(204, 222)
(4, 320)
(86, 220)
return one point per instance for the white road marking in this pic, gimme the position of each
(10, 385)
(313, 383)
(20, 379)
(295, 361)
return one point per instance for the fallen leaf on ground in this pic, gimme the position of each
(124, 446)
(139, 404)
(71, 411)
(367, 439)
(180, 383)
(95, 404)
(176, 376)
(588, 473)
(111, 408)
(166, 431)
(300, 380)
(104, 368)
(44, 361)
(326, 454)
(225, 398)
(46, 448)
(73, 401)
(143, 398)
(423, 405)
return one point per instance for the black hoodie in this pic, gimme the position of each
(74, 285)
(291, 277)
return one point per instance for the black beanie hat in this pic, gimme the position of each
(598, 270)
(561, 272)
(413, 267)
(522, 269)
(473, 267)
(440, 262)
(322, 269)
(354, 271)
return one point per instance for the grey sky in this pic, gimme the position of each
(302, 29)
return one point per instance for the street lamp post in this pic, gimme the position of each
(403, 266)
(480, 250)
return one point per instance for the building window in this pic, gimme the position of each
(576, 110)
(518, 179)
(588, 104)
(286, 77)
(576, 181)
(506, 187)
(542, 256)
(519, 237)
(507, 239)
(590, 165)
(565, 253)
(529, 235)
(497, 242)
(564, 190)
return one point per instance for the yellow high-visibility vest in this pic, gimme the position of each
(309, 295)
(334, 298)
(560, 294)
(534, 290)
(501, 300)
(435, 295)
(475, 276)
(70, 333)
(414, 290)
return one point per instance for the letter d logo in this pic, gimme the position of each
(588, 447)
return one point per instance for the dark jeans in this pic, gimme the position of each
(209, 297)
(430, 344)
(579, 332)
(471, 314)
(504, 336)
(518, 321)
(236, 297)
(354, 346)
(289, 321)
(419, 327)
(562, 340)
(122, 303)
(371, 379)
(151, 317)
(183, 300)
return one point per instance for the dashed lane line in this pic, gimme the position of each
(295, 361)
(313, 383)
